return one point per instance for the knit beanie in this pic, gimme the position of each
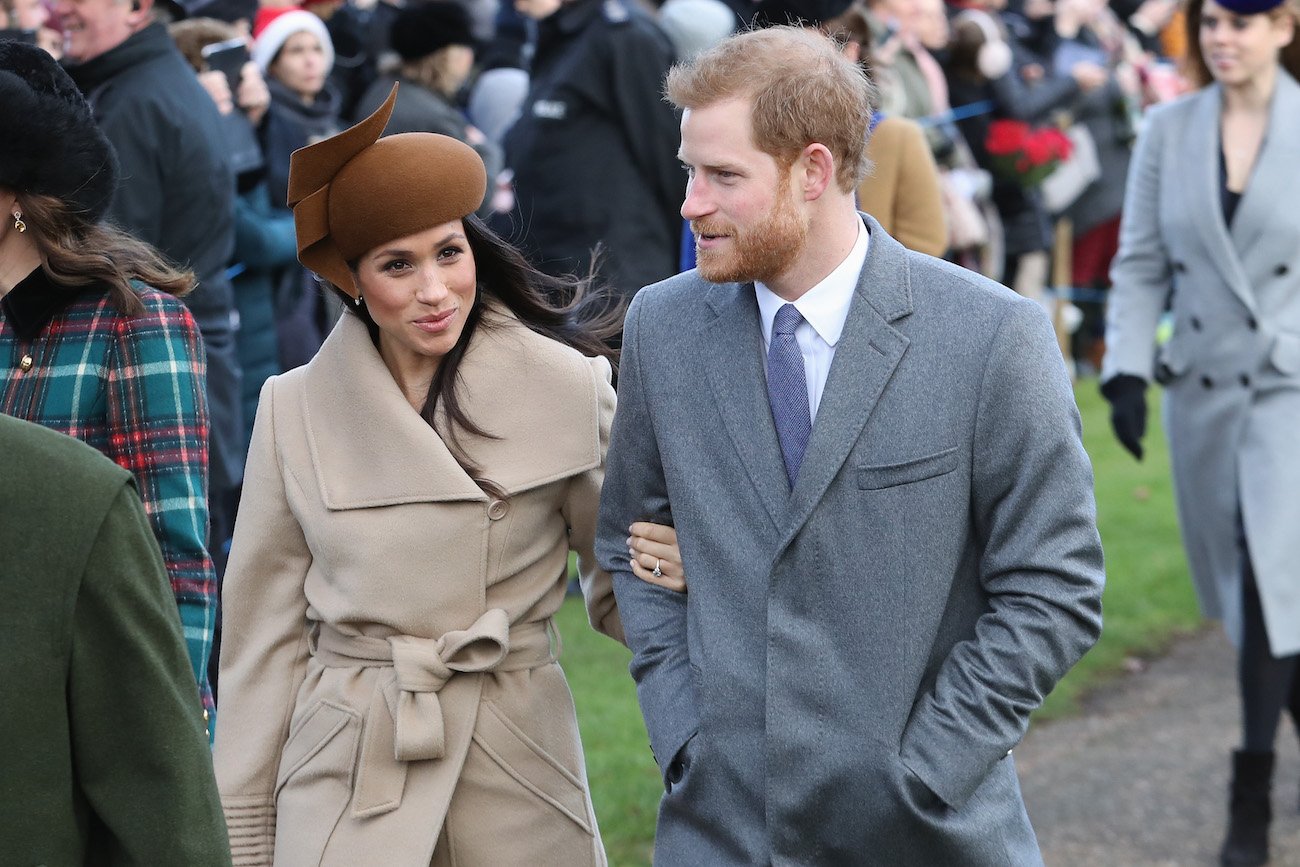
(275, 24)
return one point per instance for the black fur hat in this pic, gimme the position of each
(49, 143)
(418, 31)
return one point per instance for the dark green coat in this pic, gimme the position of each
(105, 758)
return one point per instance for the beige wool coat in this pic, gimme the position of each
(389, 689)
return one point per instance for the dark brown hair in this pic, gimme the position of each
(575, 312)
(1194, 66)
(76, 252)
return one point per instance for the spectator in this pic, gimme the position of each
(105, 758)
(35, 16)
(436, 51)
(1086, 30)
(901, 189)
(595, 111)
(100, 348)
(177, 195)
(293, 50)
(991, 72)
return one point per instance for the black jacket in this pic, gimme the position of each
(177, 190)
(594, 151)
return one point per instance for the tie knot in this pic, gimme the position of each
(787, 320)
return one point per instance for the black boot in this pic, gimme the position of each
(1249, 810)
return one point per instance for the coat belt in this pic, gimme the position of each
(421, 668)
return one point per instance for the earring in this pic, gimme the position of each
(18, 222)
(359, 301)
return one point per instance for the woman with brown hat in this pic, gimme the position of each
(93, 341)
(390, 691)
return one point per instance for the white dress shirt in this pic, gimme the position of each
(824, 309)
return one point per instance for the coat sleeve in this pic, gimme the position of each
(1040, 566)
(264, 643)
(137, 729)
(580, 512)
(156, 404)
(918, 206)
(1140, 275)
(654, 619)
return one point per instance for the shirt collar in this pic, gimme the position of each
(34, 301)
(826, 305)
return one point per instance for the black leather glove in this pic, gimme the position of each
(1127, 395)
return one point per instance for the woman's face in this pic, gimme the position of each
(300, 65)
(419, 290)
(1239, 49)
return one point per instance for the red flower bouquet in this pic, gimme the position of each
(1023, 154)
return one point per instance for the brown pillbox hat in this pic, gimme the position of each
(354, 191)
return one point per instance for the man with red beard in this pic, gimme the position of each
(873, 462)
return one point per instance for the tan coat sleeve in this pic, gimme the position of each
(903, 194)
(580, 510)
(264, 644)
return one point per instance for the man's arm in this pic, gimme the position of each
(1040, 564)
(654, 619)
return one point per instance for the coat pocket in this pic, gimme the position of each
(892, 475)
(314, 783)
(1285, 354)
(530, 765)
(1172, 361)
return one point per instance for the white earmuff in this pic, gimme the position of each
(994, 57)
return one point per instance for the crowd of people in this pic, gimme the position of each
(347, 288)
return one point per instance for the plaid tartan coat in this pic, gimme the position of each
(133, 389)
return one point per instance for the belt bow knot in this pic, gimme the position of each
(424, 665)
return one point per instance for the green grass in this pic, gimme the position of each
(1148, 601)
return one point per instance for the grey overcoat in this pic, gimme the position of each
(855, 658)
(1232, 368)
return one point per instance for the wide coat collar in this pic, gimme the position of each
(866, 356)
(370, 448)
(1274, 169)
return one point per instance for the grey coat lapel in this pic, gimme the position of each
(1204, 193)
(865, 359)
(735, 353)
(1274, 172)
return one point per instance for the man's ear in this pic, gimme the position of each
(141, 13)
(814, 171)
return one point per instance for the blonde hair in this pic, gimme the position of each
(803, 90)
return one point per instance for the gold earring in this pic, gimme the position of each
(18, 222)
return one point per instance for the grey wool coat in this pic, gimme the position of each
(1232, 367)
(854, 659)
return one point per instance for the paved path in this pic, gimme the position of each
(1140, 778)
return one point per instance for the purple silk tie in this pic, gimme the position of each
(787, 390)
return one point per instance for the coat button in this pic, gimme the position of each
(1207, 382)
(1180, 267)
(1252, 324)
(1196, 324)
(25, 364)
(1245, 380)
(1281, 270)
(497, 509)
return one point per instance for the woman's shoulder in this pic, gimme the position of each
(551, 361)
(159, 309)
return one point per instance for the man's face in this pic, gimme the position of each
(747, 223)
(92, 27)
